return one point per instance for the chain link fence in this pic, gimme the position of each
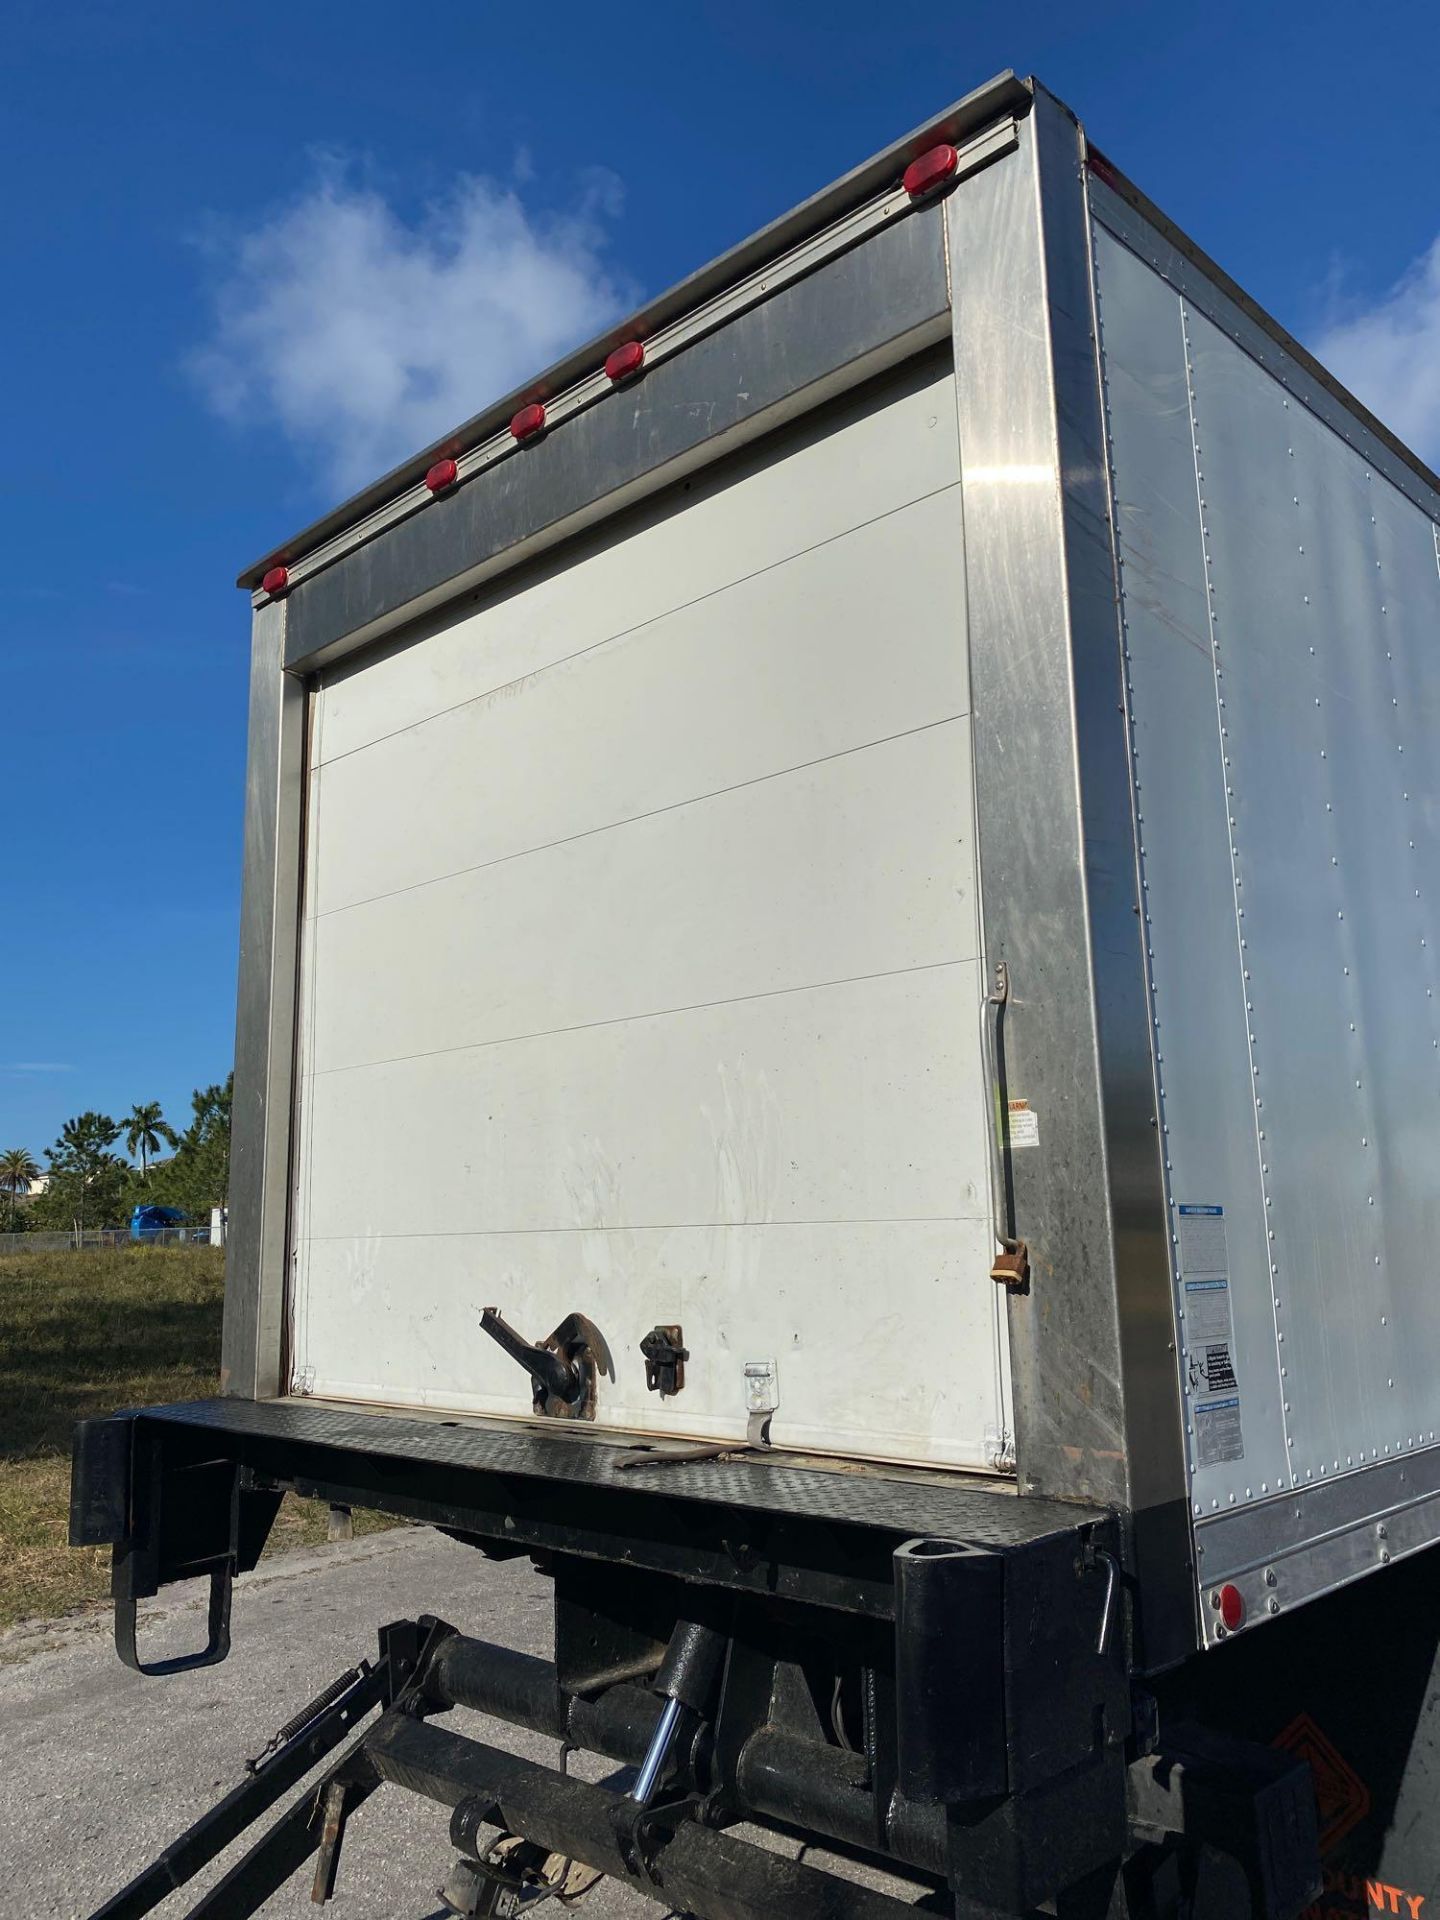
(95, 1238)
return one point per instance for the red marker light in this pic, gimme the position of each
(625, 360)
(1232, 1608)
(276, 580)
(930, 171)
(528, 421)
(443, 474)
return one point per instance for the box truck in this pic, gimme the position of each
(837, 1042)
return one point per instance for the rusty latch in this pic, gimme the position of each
(563, 1368)
(1012, 1268)
(665, 1356)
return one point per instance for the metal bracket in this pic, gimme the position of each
(642, 1831)
(335, 1811)
(217, 1643)
(167, 1516)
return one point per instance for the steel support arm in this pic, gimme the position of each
(688, 1866)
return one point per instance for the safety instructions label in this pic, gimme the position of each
(1202, 1240)
(1208, 1336)
(1207, 1309)
(1218, 1435)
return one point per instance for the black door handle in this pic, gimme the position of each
(564, 1368)
(552, 1375)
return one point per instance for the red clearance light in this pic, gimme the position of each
(1232, 1608)
(528, 421)
(443, 474)
(276, 580)
(625, 360)
(931, 170)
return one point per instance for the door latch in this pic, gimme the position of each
(665, 1356)
(563, 1368)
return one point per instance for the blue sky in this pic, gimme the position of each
(256, 254)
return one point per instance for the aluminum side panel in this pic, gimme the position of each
(1193, 934)
(1282, 613)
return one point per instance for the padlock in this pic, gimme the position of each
(1012, 1269)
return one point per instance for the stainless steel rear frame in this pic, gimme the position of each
(1096, 1397)
(251, 1356)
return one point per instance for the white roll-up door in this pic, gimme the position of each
(641, 971)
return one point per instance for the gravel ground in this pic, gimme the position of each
(99, 1767)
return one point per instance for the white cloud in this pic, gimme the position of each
(1388, 354)
(363, 335)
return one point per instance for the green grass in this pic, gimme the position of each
(85, 1333)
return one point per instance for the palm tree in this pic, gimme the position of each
(146, 1129)
(17, 1171)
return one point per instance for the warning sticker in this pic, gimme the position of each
(1212, 1370)
(1208, 1334)
(1217, 1431)
(1022, 1124)
(1207, 1308)
(1202, 1240)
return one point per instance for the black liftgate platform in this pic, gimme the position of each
(931, 1676)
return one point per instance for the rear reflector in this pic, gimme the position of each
(930, 171)
(625, 360)
(1232, 1608)
(443, 474)
(276, 580)
(528, 421)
